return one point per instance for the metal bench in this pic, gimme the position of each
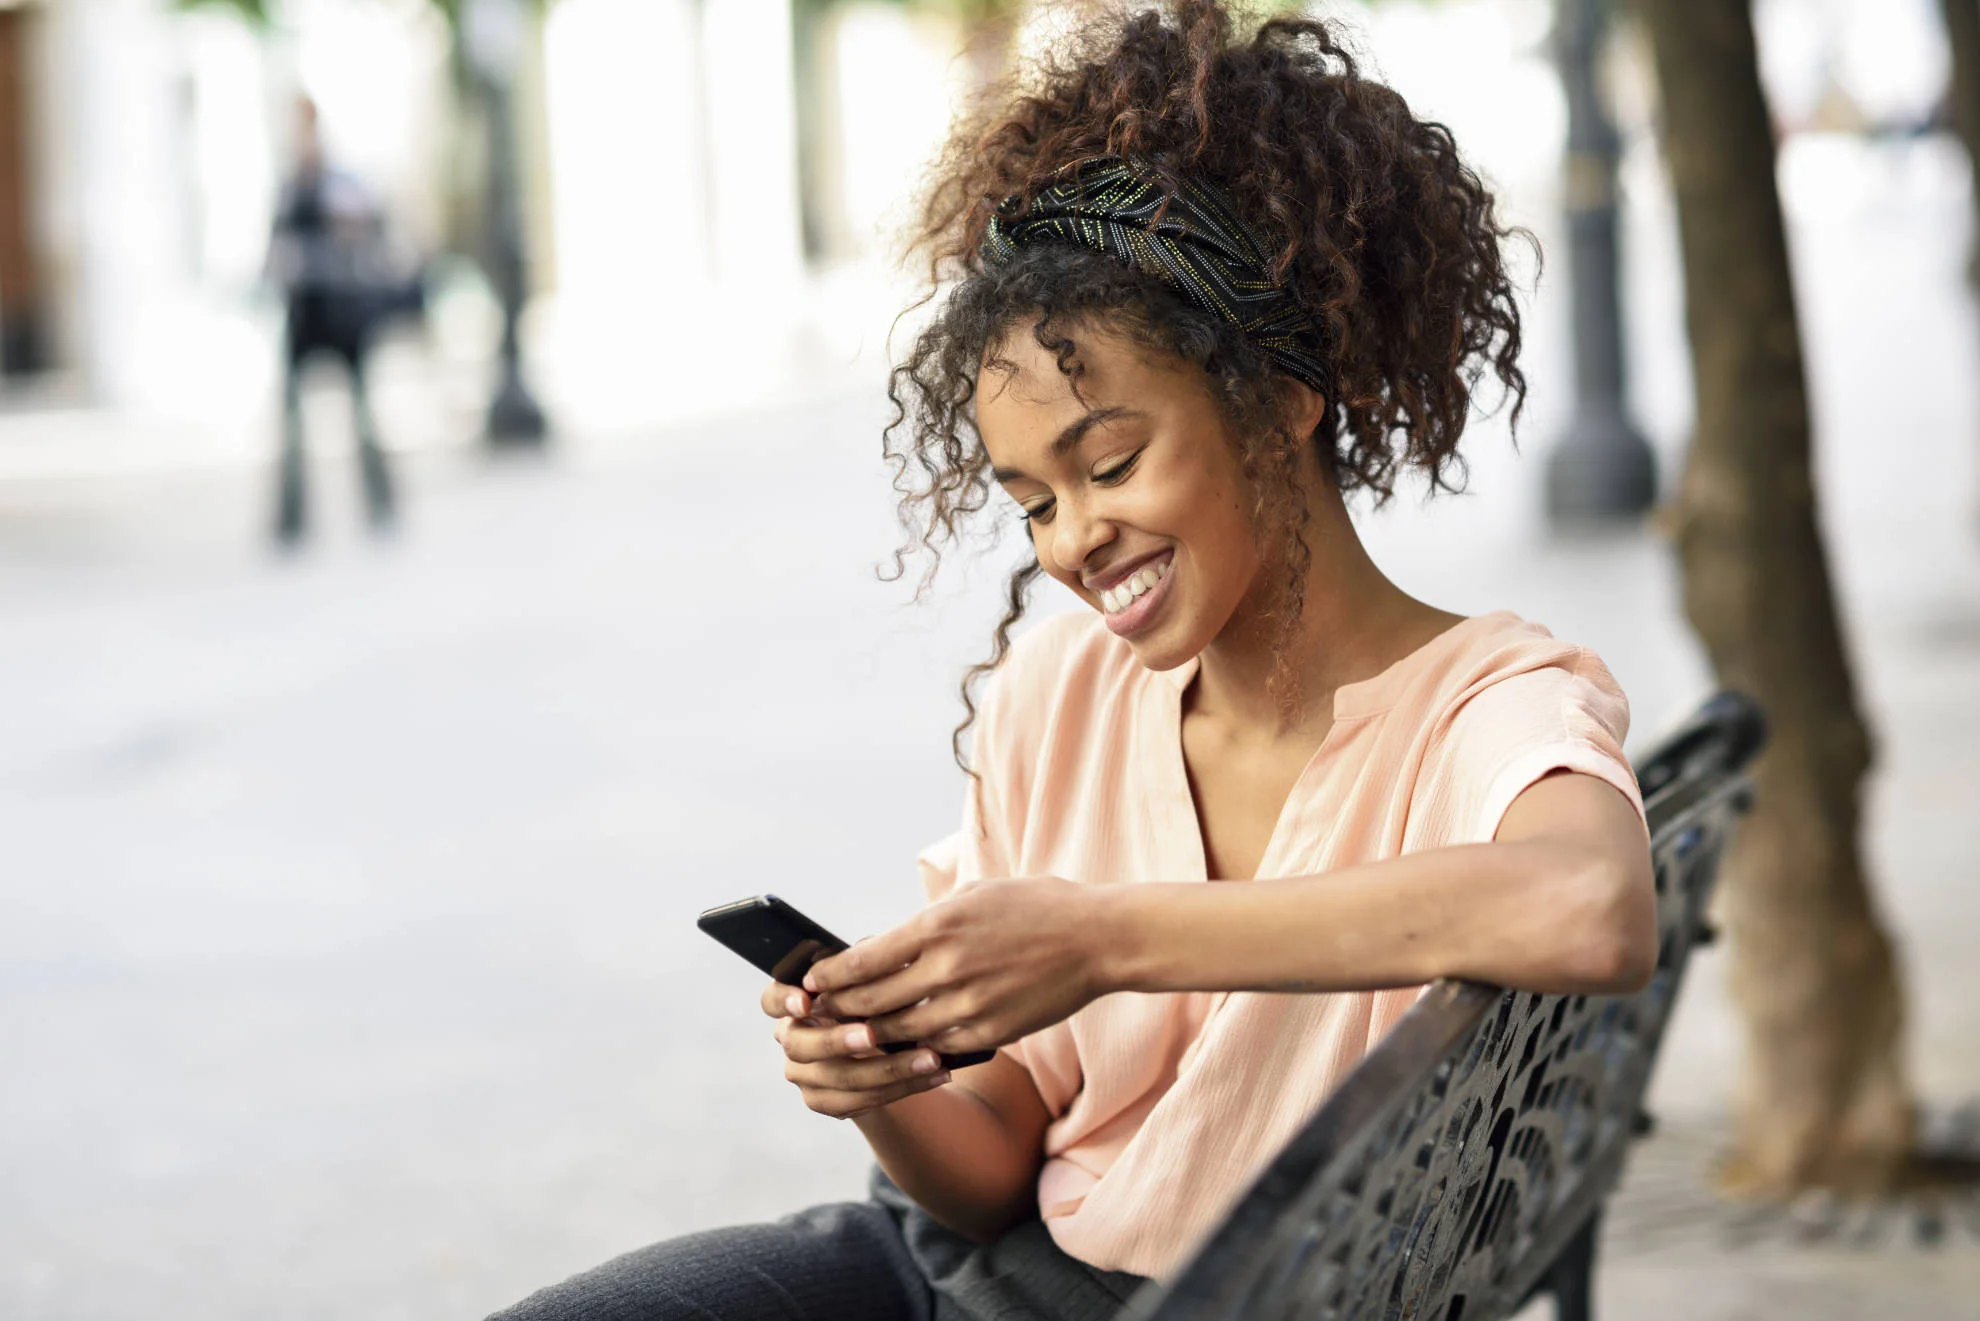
(1461, 1169)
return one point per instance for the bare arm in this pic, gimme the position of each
(1561, 900)
(970, 1152)
(967, 1148)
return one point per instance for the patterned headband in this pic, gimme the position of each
(1198, 247)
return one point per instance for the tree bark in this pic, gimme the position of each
(1824, 1101)
(1963, 39)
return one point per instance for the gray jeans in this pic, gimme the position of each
(880, 1260)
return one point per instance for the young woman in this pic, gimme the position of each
(1205, 281)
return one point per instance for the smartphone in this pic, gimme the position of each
(784, 943)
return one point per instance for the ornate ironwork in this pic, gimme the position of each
(1464, 1162)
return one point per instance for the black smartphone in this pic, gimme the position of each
(784, 943)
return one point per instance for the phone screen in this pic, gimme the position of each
(772, 935)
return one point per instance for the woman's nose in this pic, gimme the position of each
(1078, 532)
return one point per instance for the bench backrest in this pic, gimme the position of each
(1455, 1163)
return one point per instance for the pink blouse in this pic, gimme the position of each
(1166, 1106)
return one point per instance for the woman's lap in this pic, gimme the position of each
(878, 1260)
(845, 1260)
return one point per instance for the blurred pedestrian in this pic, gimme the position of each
(329, 254)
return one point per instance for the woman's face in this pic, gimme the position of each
(1132, 488)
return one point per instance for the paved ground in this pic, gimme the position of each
(346, 960)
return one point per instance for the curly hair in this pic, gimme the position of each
(1371, 217)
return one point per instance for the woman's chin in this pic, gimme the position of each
(1162, 649)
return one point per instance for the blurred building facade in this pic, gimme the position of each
(141, 142)
(151, 143)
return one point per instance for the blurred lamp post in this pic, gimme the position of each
(1602, 468)
(492, 36)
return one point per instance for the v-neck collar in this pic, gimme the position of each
(1175, 814)
(1352, 701)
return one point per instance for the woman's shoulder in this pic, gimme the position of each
(1509, 704)
(1483, 649)
(1506, 668)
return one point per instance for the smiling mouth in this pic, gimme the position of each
(1136, 585)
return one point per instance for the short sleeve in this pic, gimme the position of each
(1568, 715)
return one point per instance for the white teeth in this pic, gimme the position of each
(1118, 598)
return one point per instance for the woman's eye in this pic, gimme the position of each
(1038, 513)
(1120, 470)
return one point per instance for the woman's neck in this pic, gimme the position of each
(1353, 624)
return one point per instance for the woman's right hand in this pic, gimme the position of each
(836, 1066)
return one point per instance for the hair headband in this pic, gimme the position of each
(1199, 247)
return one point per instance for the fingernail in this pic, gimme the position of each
(795, 1003)
(859, 1038)
(926, 1063)
(811, 982)
(938, 1080)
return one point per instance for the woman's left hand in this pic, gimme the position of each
(993, 962)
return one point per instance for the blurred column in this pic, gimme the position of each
(1602, 468)
(493, 33)
(21, 346)
(108, 213)
(756, 230)
(701, 127)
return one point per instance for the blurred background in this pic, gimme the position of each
(347, 876)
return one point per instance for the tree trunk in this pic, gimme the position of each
(1824, 1102)
(1963, 38)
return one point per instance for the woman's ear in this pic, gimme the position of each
(1306, 407)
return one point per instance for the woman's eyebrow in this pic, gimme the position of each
(1073, 434)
